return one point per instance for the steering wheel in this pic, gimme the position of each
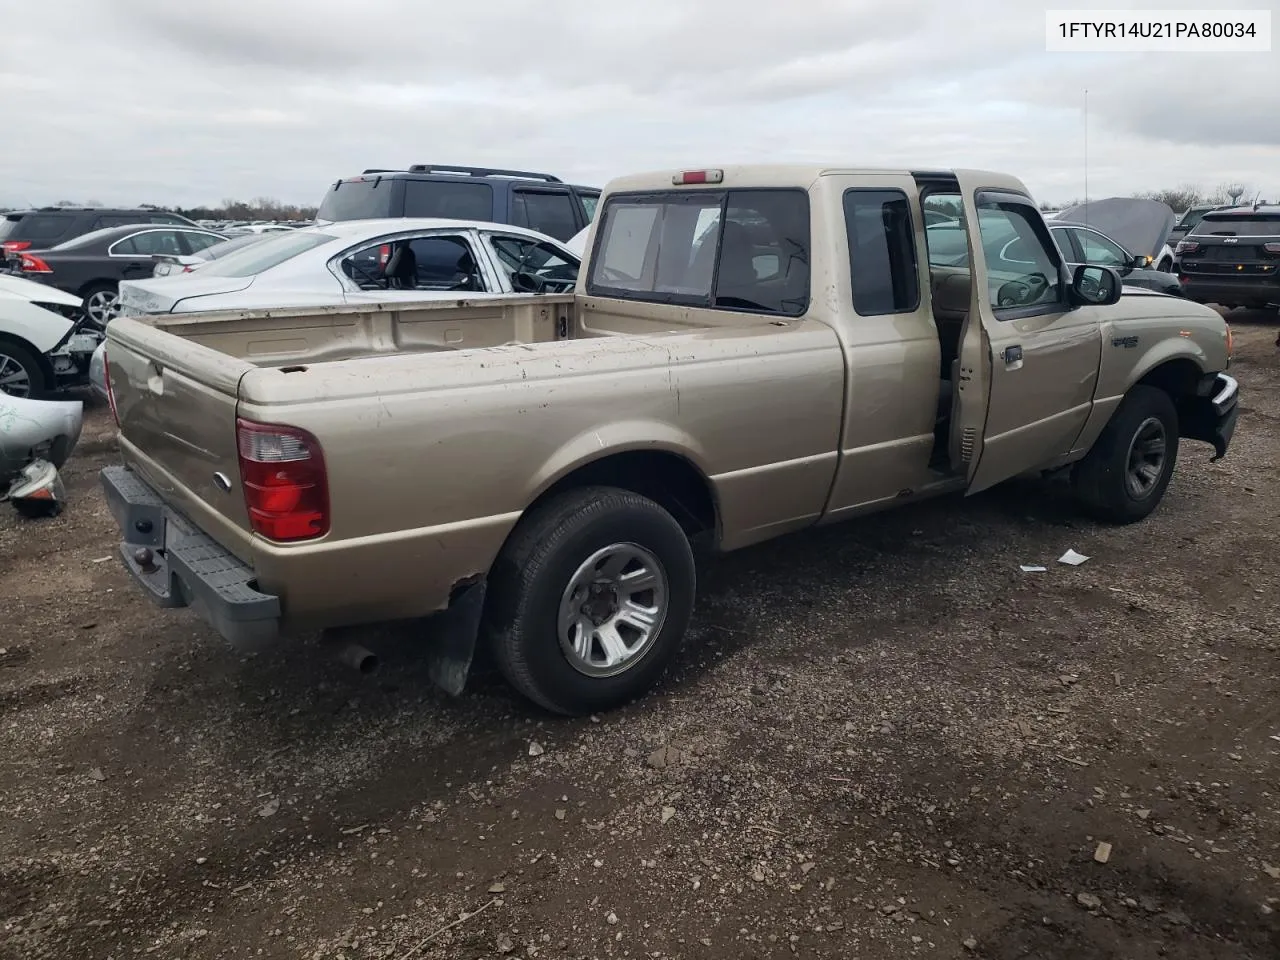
(1021, 293)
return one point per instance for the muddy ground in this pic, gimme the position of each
(883, 740)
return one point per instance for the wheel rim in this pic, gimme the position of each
(101, 306)
(14, 378)
(1147, 452)
(613, 609)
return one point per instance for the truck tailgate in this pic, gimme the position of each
(176, 403)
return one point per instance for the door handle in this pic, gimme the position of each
(1012, 355)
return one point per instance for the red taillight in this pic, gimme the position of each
(698, 176)
(384, 254)
(1186, 246)
(187, 268)
(13, 246)
(1271, 247)
(285, 486)
(111, 394)
(30, 263)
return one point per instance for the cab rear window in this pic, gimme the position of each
(741, 250)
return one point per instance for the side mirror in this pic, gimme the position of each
(1095, 286)
(1140, 262)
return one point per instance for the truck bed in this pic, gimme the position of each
(272, 338)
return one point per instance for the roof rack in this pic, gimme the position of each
(378, 170)
(482, 172)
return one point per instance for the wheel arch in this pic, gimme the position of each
(667, 477)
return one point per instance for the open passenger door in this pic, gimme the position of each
(1028, 356)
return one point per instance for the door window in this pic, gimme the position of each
(199, 241)
(148, 244)
(438, 262)
(545, 211)
(532, 266)
(1022, 266)
(1097, 249)
(589, 203)
(882, 252)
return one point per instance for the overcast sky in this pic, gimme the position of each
(157, 101)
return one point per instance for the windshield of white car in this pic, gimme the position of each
(265, 254)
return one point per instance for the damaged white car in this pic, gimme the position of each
(45, 341)
(36, 438)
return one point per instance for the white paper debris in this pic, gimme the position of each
(1072, 558)
(1027, 568)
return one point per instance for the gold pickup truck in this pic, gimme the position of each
(749, 351)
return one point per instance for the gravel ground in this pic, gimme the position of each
(883, 740)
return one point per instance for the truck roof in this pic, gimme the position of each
(794, 175)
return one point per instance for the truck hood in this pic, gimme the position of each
(33, 292)
(162, 294)
(1141, 226)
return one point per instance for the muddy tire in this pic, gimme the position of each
(589, 600)
(1124, 477)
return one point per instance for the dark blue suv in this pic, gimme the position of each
(538, 201)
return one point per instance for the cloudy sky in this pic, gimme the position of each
(155, 101)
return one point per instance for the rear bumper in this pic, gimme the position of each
(180, 566)
(1211, 415)
(1216, 289)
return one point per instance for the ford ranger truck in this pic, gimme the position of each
(750, 351)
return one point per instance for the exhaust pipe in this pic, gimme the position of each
(358, 658)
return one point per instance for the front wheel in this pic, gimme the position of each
(1124, 476)
(20, 372)
(590, 599)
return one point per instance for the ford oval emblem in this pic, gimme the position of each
(222, 481)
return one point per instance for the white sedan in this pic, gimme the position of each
(364, 261)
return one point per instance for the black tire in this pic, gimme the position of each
(12, 354)
(533, 572)
(1166, 266)
(1102, 479)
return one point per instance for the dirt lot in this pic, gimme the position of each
(884, 741)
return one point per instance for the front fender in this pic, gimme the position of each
(1177, 348)
(23, 320)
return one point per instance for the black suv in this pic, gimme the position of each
(49, 226)
(1232, 258)
(538, 201)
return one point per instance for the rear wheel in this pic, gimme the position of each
(1124, 477)
(100, 302)
(590, 599)
(20, 372)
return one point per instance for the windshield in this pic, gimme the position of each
(265, 254)
(1260, 225)
(357, 200)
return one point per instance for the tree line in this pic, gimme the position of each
(260, 208)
